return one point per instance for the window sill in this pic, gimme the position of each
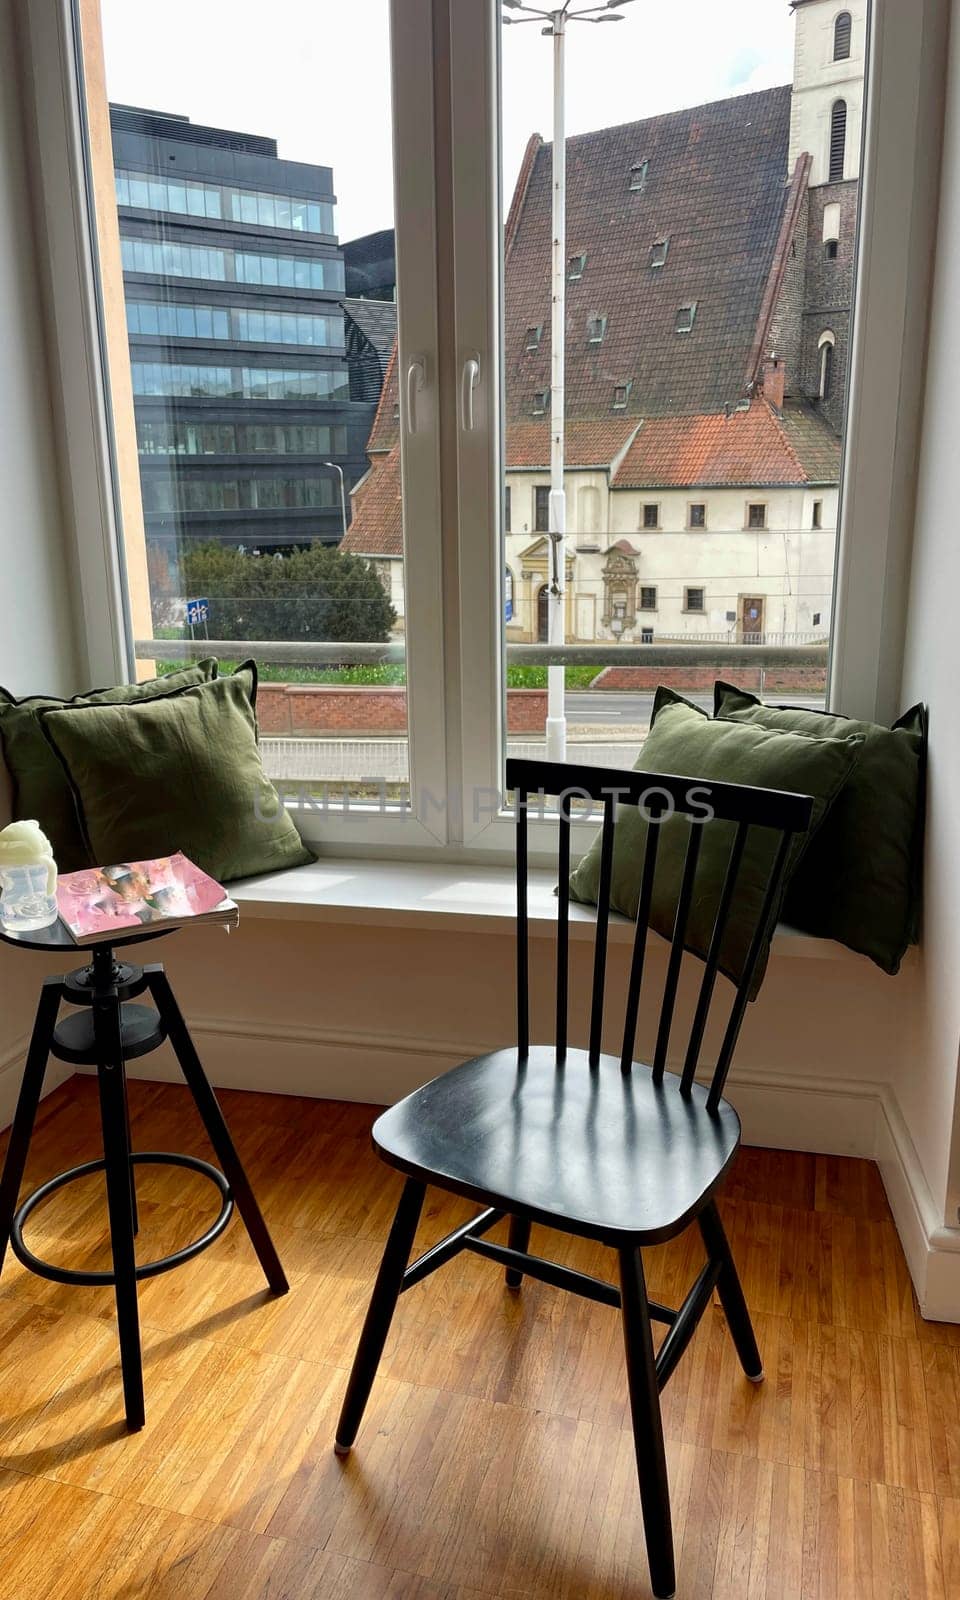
(451, 896)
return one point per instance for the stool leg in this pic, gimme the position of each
(217, 1130)
(31, 1086)
(116, 1152)
(133, 1170)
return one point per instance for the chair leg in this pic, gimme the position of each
(518, 1239)
(731, 1293)
(116, 1153)
(217, 1130)
(28, 1100)
(379, 1316)
(133, 1170)
(647, 1424)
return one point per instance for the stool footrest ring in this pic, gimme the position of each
(149, 1269)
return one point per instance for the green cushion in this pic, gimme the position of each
(40, 788)
(179, 772)
(685, 742)
(859, 882)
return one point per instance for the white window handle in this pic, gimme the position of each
(416, 378)
(468, 382)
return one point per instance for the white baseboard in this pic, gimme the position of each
(11, 1071)
(784, 1111)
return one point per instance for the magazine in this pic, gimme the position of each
(97, 903)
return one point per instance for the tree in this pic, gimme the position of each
(320, 593)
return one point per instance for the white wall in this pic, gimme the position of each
(36, 632)
(929, 1082)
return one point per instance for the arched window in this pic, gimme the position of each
(838, 140)
(827, 345)
(841, 36)
(543, 615)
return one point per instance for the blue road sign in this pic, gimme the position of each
(197, 611)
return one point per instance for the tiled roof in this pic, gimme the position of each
(377, 525)
(715, 188)
(385, 433)
(586, 444)
(756, 447)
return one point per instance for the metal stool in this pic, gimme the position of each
(107, 1031)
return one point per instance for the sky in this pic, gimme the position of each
(317, 78)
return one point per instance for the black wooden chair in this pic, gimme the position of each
(593, 1144)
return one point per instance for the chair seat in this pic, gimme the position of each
(598, 1152)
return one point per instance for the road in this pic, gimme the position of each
(613, 706)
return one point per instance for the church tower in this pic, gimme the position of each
(826, 122)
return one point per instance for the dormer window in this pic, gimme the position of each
(596, 328)
(621, 394)
(686, 316)
(540, 397)
(638, 176)
(658, 252)
(533, 337)
(575, 268)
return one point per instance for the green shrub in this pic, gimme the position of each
(320, 593)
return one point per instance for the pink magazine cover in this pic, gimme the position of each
(98, 901)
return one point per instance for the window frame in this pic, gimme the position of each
(643, 589)
(445, 55)
(755, 505)
(701, 590)
(696, 527)
(656, 507)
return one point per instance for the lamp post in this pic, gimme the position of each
(343, 497)
(556, 24)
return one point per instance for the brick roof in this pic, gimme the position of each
(716, 187)
(376, 528)
(586, 443)
(757, 447)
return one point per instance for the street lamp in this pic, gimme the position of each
(556, 22)
(343, 497)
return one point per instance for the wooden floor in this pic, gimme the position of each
(496, 1457)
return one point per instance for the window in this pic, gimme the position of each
(816, 619)
(685, 318)
(596, 328)
(650, 515)
(507, 595)
(533, 337)
(816, 515)
(541, 509)
(648, 597)
(756, 514)
(831, 249)
(638, 176)
(239, 438)
(697, 515)
(147, 192)
(164, 494)
(825, 381)
(693, 599)
(236, 383)
(168, 320)
(646, 636)
(458, 275)
(841, 36)
(838, 140)
(170, 259)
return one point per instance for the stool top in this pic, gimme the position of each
(56, 937)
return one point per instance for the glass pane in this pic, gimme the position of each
(706, 337)
(243, 451)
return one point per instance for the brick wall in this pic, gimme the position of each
(303, 708)
(686, 680)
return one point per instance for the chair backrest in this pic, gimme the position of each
(661, 796)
